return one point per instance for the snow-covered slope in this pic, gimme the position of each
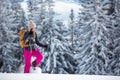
(64, 8)
(37, 75)
(55, 77)
(21, 70)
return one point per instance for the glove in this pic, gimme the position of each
(46, 48)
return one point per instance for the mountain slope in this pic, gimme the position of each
(64, 8)
(55, 77)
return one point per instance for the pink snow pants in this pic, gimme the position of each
(27, 59)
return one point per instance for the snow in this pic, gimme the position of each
(64, 9)
(25, 7)
(101, 42)
(54, 77)
(61, 8)
(21, 70)
(66, 0)
(37, 75)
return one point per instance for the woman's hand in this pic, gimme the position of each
(47, 48)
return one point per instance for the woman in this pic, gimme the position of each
(30, 38)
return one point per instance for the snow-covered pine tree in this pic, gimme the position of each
(19, 14)
(37, 11)
(74, 32)
(116, 40)
(65, 38)
(32, 7)
(97, 29)
(19, 20)
(49, 63)
(64, 58)
(46, 36)
(9, 48)
(70, 42)
(85, 19)
(58, 59)
(72, 27)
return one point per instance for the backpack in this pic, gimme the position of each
(22, 42)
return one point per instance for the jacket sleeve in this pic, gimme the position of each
(25, 38)
(38, 43)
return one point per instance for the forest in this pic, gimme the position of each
(88, 45)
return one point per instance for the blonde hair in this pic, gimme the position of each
(31, 25)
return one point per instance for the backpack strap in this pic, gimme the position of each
(34, 35)
(22, 43)
(26, 37)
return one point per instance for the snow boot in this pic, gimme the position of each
(34, 65)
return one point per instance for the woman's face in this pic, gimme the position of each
(33, 29)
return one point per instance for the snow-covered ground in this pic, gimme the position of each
(21, 70)
(55, 77)
(37, 75)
